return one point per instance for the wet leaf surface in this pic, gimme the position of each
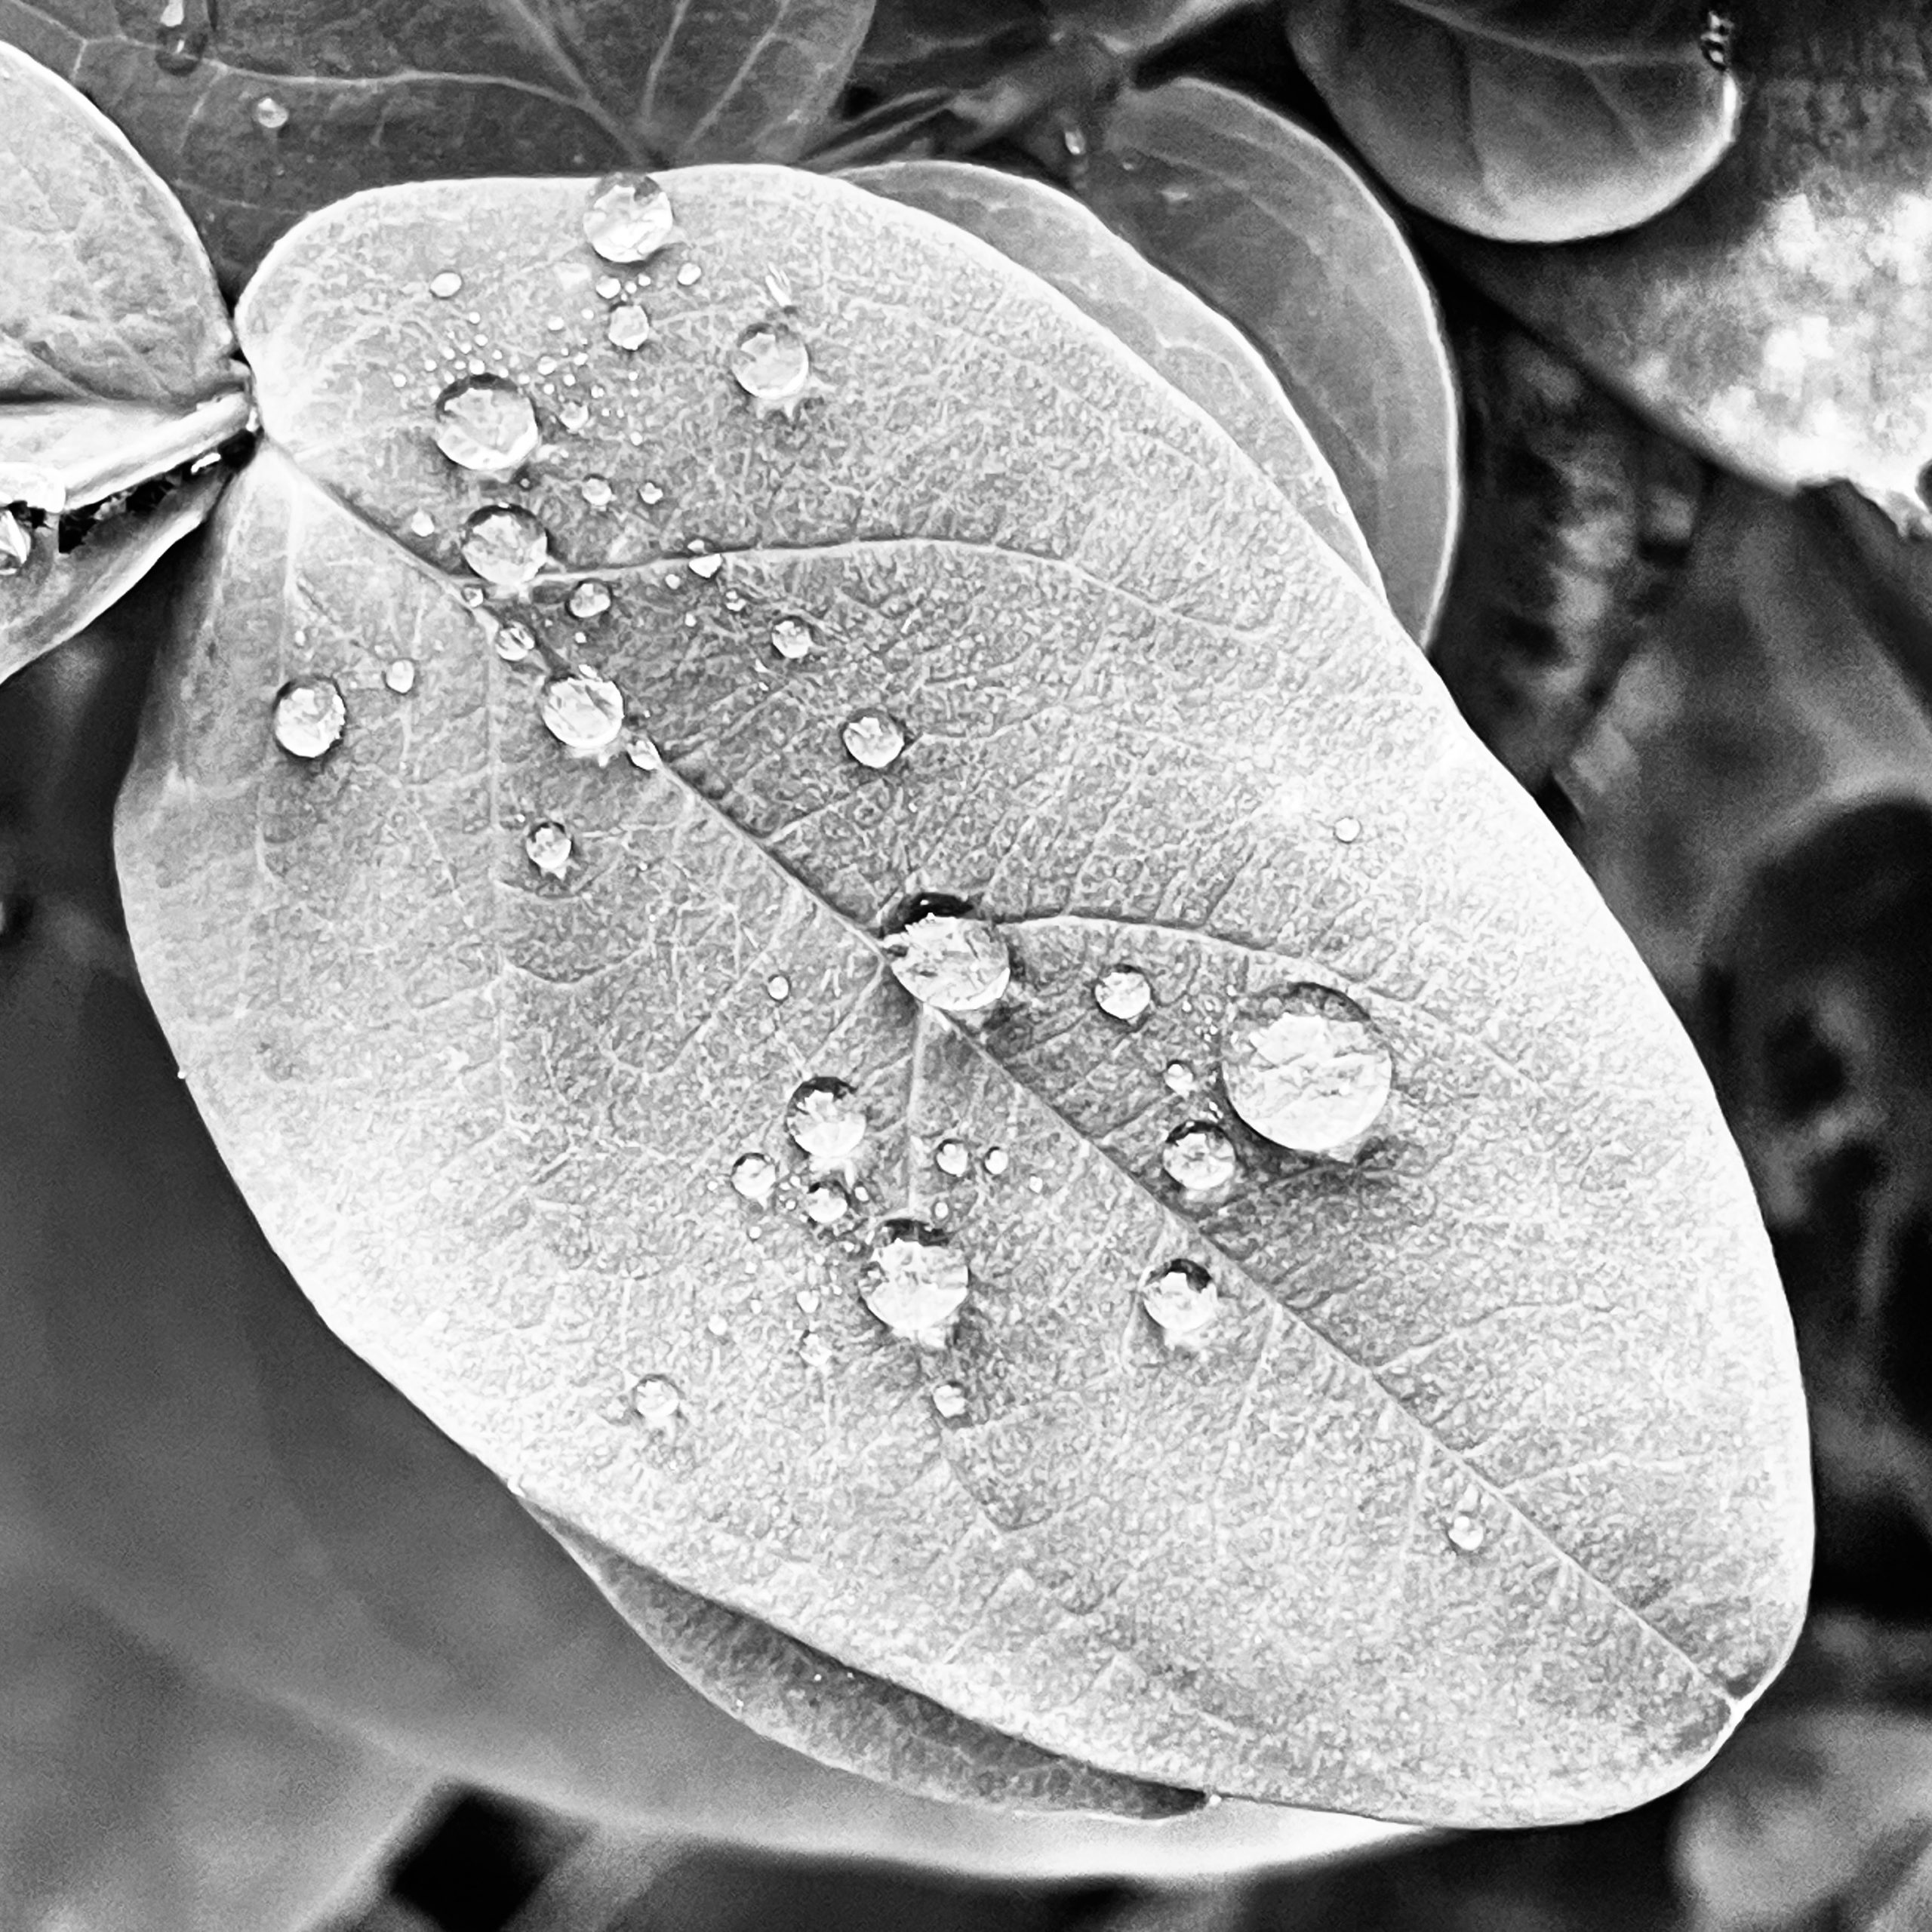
(1205, 356)
(1275, 229)
(1522, 121)
(1482, 1498)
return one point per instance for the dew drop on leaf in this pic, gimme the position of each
(658, 1402)
(399, 675)
(445, 283)
(1347, 830)
(15, 544)
(591, 598)
(642, 750)
(628, 218)
(1198, 1156)
(505, 546)
(825, 1118)
(1178, 1077)
(1466, 1533)
(995, 1160)
(791, 638)
(754, 1176)
(179, 48)
(917, 1282)
(548, 846)
(1123, 992)
(875, 738)
(949, 1399)
(309, 716)
(609, 286)
(771, 365)
(952, 1157)
(650, 492)
(513, 643)
(270, 114)
(584, 710)
(1179, 1298)
(1305, 1068)
(574, 416)
(705, 567)
(827, 1203)
(778, 989)
(596, 491)
(485, 422)
(817, 1353)
(945, 953)
(629, 326)
(688, 275)
(422, 524)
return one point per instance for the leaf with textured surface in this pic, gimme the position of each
(1517, 119)
(488, 1117)
(1283, 237)
(1204, 355)
(1778, 317)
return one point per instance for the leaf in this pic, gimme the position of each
(256, 112)
(913, 45)
(1519, 120)
(1776, 317)
(117, 363)
(1204, 356)
(1280, 235)
(488, 1117)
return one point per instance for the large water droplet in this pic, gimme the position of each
(945, 953)
(1179, 1298)
(1305, 1068)
(309, 716)
(658, 1402)
(15, 544)
(584, 710)
(755, 1177)
(628, 218)
(548, 846)
(485, 422)
(917, 1281)
(825, 1117)
(771, 365)
(270, 115)
(875, 738)
(827, 1203)
(1122, 992)
(505, 546)
(1198, 1156)
(629, 326)
(591, 598)
(791, 638)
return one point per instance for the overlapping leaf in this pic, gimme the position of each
(488, 1116)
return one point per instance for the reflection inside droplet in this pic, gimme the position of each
(1305, 1067)
(918, 1282)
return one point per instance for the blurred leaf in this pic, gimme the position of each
(1283, 237)
(256, 112)
(1205, 356)
(1521, 119)
(489, 1117)
(1778, 317)
(913, 45)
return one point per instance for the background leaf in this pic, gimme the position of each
(1205, 356)
(1283, 237)
(1141, 697)
(1521, 120)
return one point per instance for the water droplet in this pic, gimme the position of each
(807, 1299)
(917, 1281)
(949, 1399)
(825, 1118)
(705, 567)
(513, 643)
(270, 115)
(642, 750)
(444, 283)
(309, 716)
(827, 1203)
(657, 1403)
(628, 218)
(1305, 1068)
(791, 638)
(755, 1177)
(816, 1352)
(1714, 37)
(399, 674)
(574, 416)
(688, 275)
(946, 954)
(591, 598)
(596, 491)
(15, 544)
(609, 286)
(717, 1327)
(179, 48)
(771, 365)
(995, 1160)
(1198, 1156)
(1122, 992)
(629, 326)
(505, 546)
(471, 596)
(873, 738)
(778, 987)
(1466, 1532)
(548, 846)
(485, 422)
(952, 1157)
(650, 492)
(1347, 830)
(1179, 1298)
(1179, 1077)
(584, 711)
(173, 13)
(422, 524)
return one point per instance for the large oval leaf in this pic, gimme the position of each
(1521, 120)
(1283, 236)
(488, 1117)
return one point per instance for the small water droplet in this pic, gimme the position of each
(1466, 1532)
(717, 1327)
(917, 1281)
(807, 1299)
(1715, 38)
(173, 13)
(15, 544)
(505, 546)
(629, 326)
(584, 710)
(1198, 1156)
(755, 1177)
(1179, 1077)
(875, 738)
(548, 846)
(1347, 830)
(1179, 1298)
(399, 674)
(827, 1203)
(650, 492)
(574, 416)
(422, 524)
(514, 643)
(705, 567)
(270, 115)
(995, 1160)
(641, 749)
(591, 598)
(791, 638)
(471, 596)
(609, 286)
(485, 422)
(772, 365)
(778, 987)
(628, 218)
(949, 1399)
(1123, 992)
(180, 46)
(596, 491)
(952, 1157)
(1305, 1068)
(688, 275)
(658, 1402)
(825, 1118)
(445, 283)
(310, 716)
(944, 952)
